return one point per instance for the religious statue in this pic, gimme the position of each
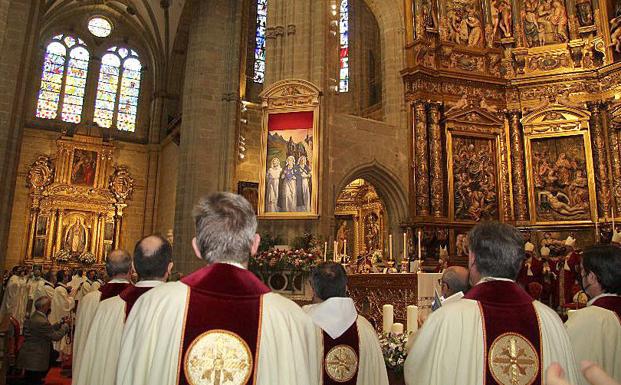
(372, 232)
(501, 18)
(464, 23)
(615, 29)
(429, 18)
(75, 238)
(584, 11)
(545, 22)
(341, 236)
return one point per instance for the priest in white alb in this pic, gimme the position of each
(220, 324)
(595, 331)
(13, 303)
(348, 348)
(153, 264)
(118, 266)
(496, 334)
(61, 307)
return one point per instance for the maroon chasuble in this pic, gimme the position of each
(511, 332)
(110, 290)
(224, 305)
(612, 303)
(341, 357)
(131, 295)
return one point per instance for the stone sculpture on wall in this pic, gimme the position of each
(544, 22)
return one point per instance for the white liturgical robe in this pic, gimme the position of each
(101, 352)
(595, 333)
(62, 304)
(335, 316)
(152, 340)
(87, 308)
(13, 303)
(450, 347)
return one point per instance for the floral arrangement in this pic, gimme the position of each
(63, 256)
(278, 260)
(394, 350)
(376, 256)
(87, 258)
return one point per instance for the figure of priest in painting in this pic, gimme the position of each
(272, 182)
(220, 324)
(351, 351)
(595, 331)
(496, 334)
(303, 174)
(288, 187)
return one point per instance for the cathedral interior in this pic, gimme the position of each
(356, 120)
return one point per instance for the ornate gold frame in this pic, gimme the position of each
(558, 121)
(292, 95)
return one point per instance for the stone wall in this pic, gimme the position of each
(167, 187)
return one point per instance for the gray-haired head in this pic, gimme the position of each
(42, 303)
(118, 263)
(498, 250)
(225, 227)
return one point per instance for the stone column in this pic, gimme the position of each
(615, 158)
(435, 161)
(600, 160)
(517, 165)
(421, 154)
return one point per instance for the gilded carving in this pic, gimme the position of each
(121, 183)
(544, 22)
(421, 152)
(41, 173)
(502, 26)
(600, 158)
(464, 23)
(517, 160)
(435, 149)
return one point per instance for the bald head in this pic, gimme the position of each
(454, 280)
(43, 304)
(153, 258)
(118, 264)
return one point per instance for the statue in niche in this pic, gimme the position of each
(427, 11)
(615, 29)
(75, 238)
(584, 11)
(372, 232)
(341, 237)
(501, 18)
(545, 22)
(464, 23)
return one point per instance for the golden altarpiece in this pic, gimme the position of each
(77, 199)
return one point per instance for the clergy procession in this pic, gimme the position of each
(221, 325)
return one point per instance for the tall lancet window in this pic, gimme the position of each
(344, 46)
(63, 79)
(259, 48)
(118, 89)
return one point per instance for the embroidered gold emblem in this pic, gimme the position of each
(513, 360)
(218, 357)
(341, 363)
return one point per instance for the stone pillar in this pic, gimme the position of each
(600, 160)
(435, 161)
(615, 160)
(206, 160)
(517, 165)
(421, 154)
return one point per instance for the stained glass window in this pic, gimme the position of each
(118, 89)
(63, 79)
(99, 27)
(344, 46)
(259, 48)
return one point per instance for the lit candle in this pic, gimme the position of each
(390, 246)
(405, 246)
(420, 235)
(325, 251)
(397, 328)
(387, 318)
(345, 247)
(412, 318)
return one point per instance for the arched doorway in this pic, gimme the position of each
(361, 219)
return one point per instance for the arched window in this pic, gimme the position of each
(63, 81)
(118, 89)
(344, 46)
(259, 48)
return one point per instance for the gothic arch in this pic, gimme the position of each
(387, 186)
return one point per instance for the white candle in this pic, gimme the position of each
(390, 246)
(325, 251)
(345, 247)
(412, 318)
(405, 246)
(336, 251)
(387, 318)
(420, 235)
(397, 328)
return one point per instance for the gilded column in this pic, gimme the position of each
(600, 160)
(505, 176)
(613, 137)
(59, 231)
(517, 166)
(421, 153)
(435, 161)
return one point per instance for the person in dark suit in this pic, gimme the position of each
(35, 354)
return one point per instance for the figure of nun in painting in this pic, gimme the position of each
(273, 179)
(303, 172)
(289, 185)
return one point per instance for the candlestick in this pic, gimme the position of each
(345, 247)
(397, 328)
(405, 246)
(596, 231)
(420, 235)
(390, 246)
(387, 318)
(325, 251)
(412, 318)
